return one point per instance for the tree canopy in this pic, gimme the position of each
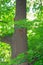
(7, 14)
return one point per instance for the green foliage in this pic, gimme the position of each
(35, 41)
(35, 35)
(21, 58)
(7, 13)
(5, 52)
(34, 31)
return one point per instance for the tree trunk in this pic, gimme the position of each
(19, 39)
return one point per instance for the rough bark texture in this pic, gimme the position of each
(18, 40)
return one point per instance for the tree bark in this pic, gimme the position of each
(19, 39)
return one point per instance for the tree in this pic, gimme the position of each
(19, 37)
(34, 26)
